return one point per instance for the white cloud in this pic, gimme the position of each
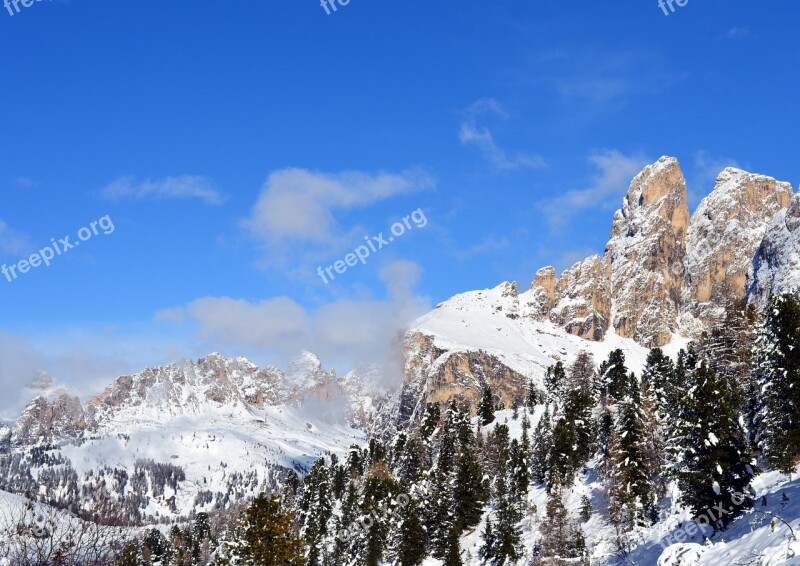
(26, 182)
(737, 32)
(345, 333)
(12, 242)
(295, 215)
(481, 137)
(298, 204)
(63, 356)
(180, 187)
(489, 244)
(607, 187)
(603, 79)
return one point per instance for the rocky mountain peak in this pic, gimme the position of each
(646, 252)
(775, 269)
(583, 302)
(724, 233)
(44, 421)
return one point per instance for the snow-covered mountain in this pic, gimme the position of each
(196, 434)
(664, 278)
(170, 441)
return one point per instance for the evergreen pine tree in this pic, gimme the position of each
(613, 376)
(413, 543)
(779, 358)
(578, 416)
(713, 467)
(488, 550)
(563, 542)
(561, 459)
(555, 381)
(317, 508)
(542, 444)
(630, 491)
(267, 536)
(532, 395)
(486, 406)
(508, 534)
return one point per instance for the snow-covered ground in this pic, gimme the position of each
(479, 320)
(215, 448)
(752, 539)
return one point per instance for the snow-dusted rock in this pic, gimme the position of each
(724, 233)
(776, 266)
(583, 306)
(5, 439)
(44, 422)
(646, 253)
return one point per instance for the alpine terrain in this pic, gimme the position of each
(641, 407)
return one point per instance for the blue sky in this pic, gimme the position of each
(238, 146)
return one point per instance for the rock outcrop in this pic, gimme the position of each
(776, 267)
(636, 286)
(646, 252)
(583, 306)
(44, 422)
(724, 234)
(437, 376)
(662, 275)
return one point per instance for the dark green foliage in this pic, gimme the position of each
(532, 395)
(555, 382)
(267, 537)
(631, 495)
(779, 357)
(486, 406)
(613, 377)
(412, 547)
(542, 443)
(713, 466)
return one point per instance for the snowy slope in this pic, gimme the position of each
(218, 430)
(498, 322)
(749, 540)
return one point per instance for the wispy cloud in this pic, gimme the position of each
(12, 242)
(470, 133)
(737, 32)
(599, 77)
(346, 332)
(605, 190)
(297, 209)
(488, 245)
(180, 187)
(26, 182)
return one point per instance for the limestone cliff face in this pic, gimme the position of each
(724, 234)
(543, 293)
(5, 439)
(646, 252)
(636, 286)
(661, 275)
(434, 375)
(43, 422)
(583, 306)
(776, 267)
